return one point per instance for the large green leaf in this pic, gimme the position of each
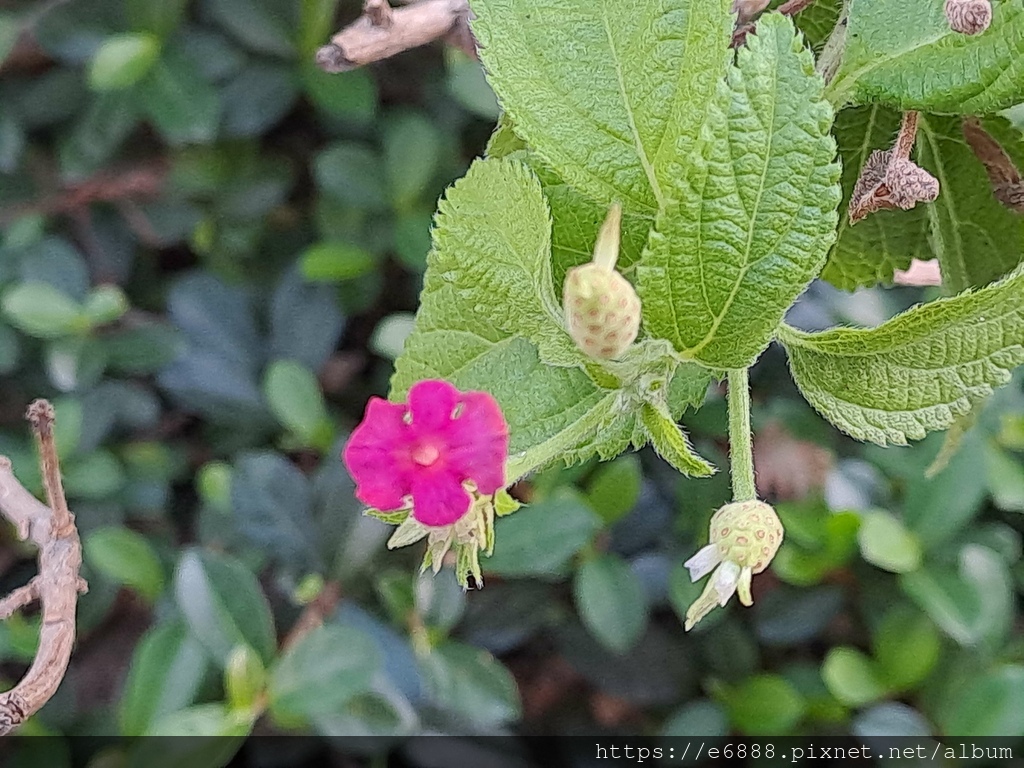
(868, 253)
(493, 244)
(902, 53)
(756, 213)
(485, 288)
(917, 372)
(976, 238)
(612, 97)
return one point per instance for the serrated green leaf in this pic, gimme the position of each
(671, 444)
(481, 287)
(504, 141)
(493, 243)
(903, 53)
(818, 20)
(756, 214)
(613, 101)
(976, 238)
(867, 254)
(917, 372)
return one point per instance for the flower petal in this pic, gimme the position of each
(478, 441)
(743, 587)
(372, 455)
(725, 580)
(701, 564)
(439, 499)
(431, 403)
(702, 606)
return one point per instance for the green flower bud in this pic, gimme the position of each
(602, 311)
(745, 536)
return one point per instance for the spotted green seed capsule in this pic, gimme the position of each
(745, 536)
(602, 311)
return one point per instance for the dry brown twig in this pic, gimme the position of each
(383, 31)
(57, 586)
(1003, 174)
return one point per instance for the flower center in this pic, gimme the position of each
(425, 454)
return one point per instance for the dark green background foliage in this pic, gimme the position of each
(210, 256)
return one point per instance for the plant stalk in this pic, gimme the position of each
(741, 446)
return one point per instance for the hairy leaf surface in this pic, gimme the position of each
(611, 95)
(756, 214)
(903, 54)
(976, 238)
(917, 372)
(484, 293)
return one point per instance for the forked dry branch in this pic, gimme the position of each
(57, 586)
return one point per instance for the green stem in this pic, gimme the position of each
(741, 447)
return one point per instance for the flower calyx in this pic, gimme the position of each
(602, 310)
(745, 536)
(890, 179)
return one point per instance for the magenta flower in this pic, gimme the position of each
(427, 450)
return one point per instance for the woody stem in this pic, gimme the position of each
(741, 448)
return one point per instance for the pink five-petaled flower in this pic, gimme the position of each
(427, 450)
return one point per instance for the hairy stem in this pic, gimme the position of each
(741, 447)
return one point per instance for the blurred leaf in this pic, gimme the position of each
(160, 19)
(887, 544)
(262, 25)
(1005, 480)
(697, 718)
(471, 682)
(329, 261)
(105, 304)
(40, 310)
(974, 606)
(72, 32)
(223, 604)
(937, 508)
(466, 82)
(891, 718)
(540, 538)
(320, 673)
(906, 647)
(126, 557)
(610, 601)
(615, 488)
(350, 95)
(244, 679)
(10, 29)
(272, 503)
(294, 397)
(183, 106)
(352, 173)
(765, 705)
(412, 145)
(257, 98)
(199, 720)
(992, 704)
(439, 600)
(787, 616)
(851, 677)
(94, 476)
(390, 334)
(123, 60)
(305, 321)
(167, 669)
(143, 348)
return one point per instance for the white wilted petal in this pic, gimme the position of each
(701, 564)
